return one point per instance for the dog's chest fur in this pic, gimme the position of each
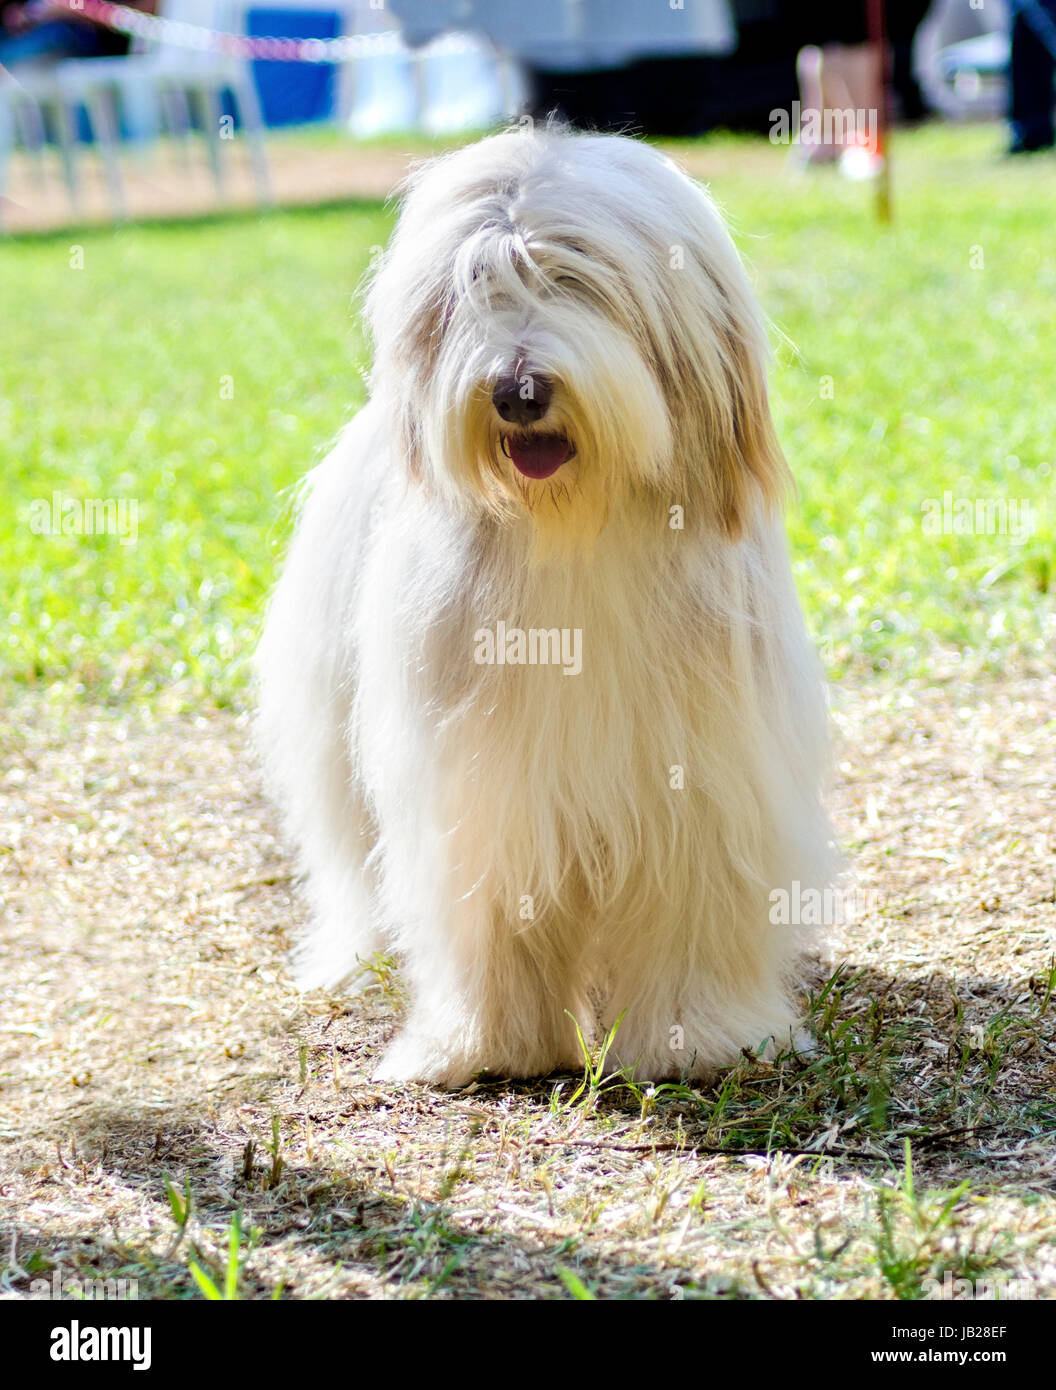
(545, 779)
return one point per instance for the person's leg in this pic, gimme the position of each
(862, 75)
(1033, 67)
(812, 146)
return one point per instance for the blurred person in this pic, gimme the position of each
(835, 77)
(1033, 67)
(45, 31)
(840, 70)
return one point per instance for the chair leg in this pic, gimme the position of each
(511, 84)
(7, 142)
(420, 77)
(66, 134)
(178, 117)
(347, 90)
(103, 120)
(28, 120)
(247, 107)
(208, 102)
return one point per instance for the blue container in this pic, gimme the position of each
(294, 93)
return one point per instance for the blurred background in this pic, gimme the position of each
(158, 93)
(194, 191)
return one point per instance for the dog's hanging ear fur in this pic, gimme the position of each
(750, 467)
(732, 465)
(718, 354)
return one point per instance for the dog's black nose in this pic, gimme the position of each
(522, 400)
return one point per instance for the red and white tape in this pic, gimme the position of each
(138, 24)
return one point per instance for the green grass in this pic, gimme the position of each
(941, 380)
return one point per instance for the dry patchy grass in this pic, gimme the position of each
(159, 1078)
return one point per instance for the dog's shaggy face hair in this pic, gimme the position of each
(568, 441)
(592, 264)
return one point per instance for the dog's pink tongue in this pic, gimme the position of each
(539, 455)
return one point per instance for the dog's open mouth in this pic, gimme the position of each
(537, 455)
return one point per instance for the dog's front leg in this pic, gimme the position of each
(490, 994)
(690, 999)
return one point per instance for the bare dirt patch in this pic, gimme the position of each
(172, 178)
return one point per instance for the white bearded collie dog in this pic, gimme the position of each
(536, 697)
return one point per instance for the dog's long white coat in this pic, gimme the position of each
(536, 845)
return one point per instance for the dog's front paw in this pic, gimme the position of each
(803, 1043)
(415, 1058)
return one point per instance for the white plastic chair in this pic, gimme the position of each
(154, 86)
(22, 123)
